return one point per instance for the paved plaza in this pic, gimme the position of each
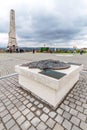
(20, 110)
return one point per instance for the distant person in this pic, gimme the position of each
(81, 52)
(10, 50)
(74, 52)
(17, 50)
(33, 51)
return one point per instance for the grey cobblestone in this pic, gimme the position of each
(1, 126)
(41, 126)
(35, 121)
(75, 128)
(32, 128)
(83, 125)
(82, 116)
(79, 108)
(84, 105)
(44, 117)
(6, 118)
(59, 119)
(75, 120)
(17, 114)
(58, 127)
(70, 115)
(25, 125)
(85, 111)
(60, 111)
(30, 116)
(9, 124)
(46, 110)
(50, 122)
(21, 119)
(15, 127)
(26, 111)
(52, 114)
(67, 124)
(67, 115)
(74, 112)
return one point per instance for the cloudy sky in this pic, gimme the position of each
(60, 23)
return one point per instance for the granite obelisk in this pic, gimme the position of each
(12, 44)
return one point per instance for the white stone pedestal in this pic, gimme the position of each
(50, 90)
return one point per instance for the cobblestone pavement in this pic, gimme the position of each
(19, 110)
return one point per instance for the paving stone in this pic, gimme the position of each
(78, 103)
(46, 110)
(70, 95)
(32, 99)
(15, 127)
(73, 105)
(84, 105)
(6, 118)
(75, 128)
(67, 124)
(50, 122)
(83, 100)
(2, 108)
(85, 111)
(22, 107)
(40, 105)
(38, 112)
(30, 116)
(60, 111)
(83, 125)
(10, 106)
(21, 119)
(48, 129)
(44, 117)
(2, 114)
(82, 116)
(18, 104)
(59, 119)
(41, 126)
(25, 125)
(73, 112)
(9, 124)
(33, 108)
(58, 127)
(79, 108)
(26, 111)
(1, 104)
(66, 102)
(75, 120)
(13, 110)
(35, 121)
(65, 107)
(76, 97)
(17, 114)
(36, 102)
(32, 128)
(26, 102)
(7, 103)
(72, 100)
(1, 126)
(66, 115)
(29, 105)
(52, 114)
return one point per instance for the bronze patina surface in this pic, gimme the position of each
(48, 64)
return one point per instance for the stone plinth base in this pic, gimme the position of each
(50, 90)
